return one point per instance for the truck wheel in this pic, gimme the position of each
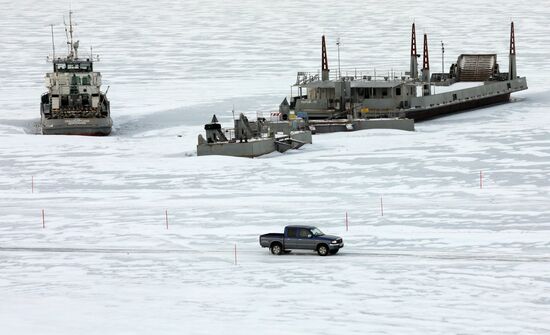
(276, 249)
(322, 250)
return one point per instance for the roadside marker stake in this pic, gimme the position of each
(43, 222)
(166, 217)
(235, 253)
(32, 184)
(347, 221)
(381, 207)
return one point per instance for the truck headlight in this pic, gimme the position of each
(334, 242)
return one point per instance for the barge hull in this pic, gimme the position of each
(463, 106)
(254, 148)
(323, 127)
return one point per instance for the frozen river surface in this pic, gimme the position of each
(446, 256)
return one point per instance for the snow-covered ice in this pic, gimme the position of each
(446, 257)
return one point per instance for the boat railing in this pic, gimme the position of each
(304, 78)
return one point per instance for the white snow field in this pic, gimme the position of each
(446, 256)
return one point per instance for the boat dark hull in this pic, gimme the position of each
(78, 131)
(423, 114)
(83, 127)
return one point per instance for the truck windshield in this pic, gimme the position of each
(317, 232)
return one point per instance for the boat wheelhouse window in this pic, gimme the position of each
(75, 80)
(398, 91)
(86, 80)
(384, 92)
(73, 67)
(454, 97)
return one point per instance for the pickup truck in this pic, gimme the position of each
(302, 237)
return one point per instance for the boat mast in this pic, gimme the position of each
(53, 42)
(67, 37)
(512, 72)
(339, 71)
(426, 68)
(71, 46)
(71, 29)
(324, 60)
(414, 55)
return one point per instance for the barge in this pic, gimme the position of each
(410, 96)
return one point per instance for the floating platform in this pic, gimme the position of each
(255, 147)
(252, 138)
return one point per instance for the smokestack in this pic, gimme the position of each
(324, 61)
(426, 68)
(512, 73)
(414, 55)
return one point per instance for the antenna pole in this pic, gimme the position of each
(66, 36)
(53, 42)
(71, 27)
(442, 60)
(339, 70)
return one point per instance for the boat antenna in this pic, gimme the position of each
(338, 42)
(66, 36)
(53, 42)
(71, 31)
(71, 45)
(442, 60)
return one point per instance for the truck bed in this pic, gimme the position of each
(266, 239)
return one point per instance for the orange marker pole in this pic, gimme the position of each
(381, 206)
(480, 179)
(43, 222)
(347, 224)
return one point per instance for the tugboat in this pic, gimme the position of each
(74, 103)
(330, 102)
